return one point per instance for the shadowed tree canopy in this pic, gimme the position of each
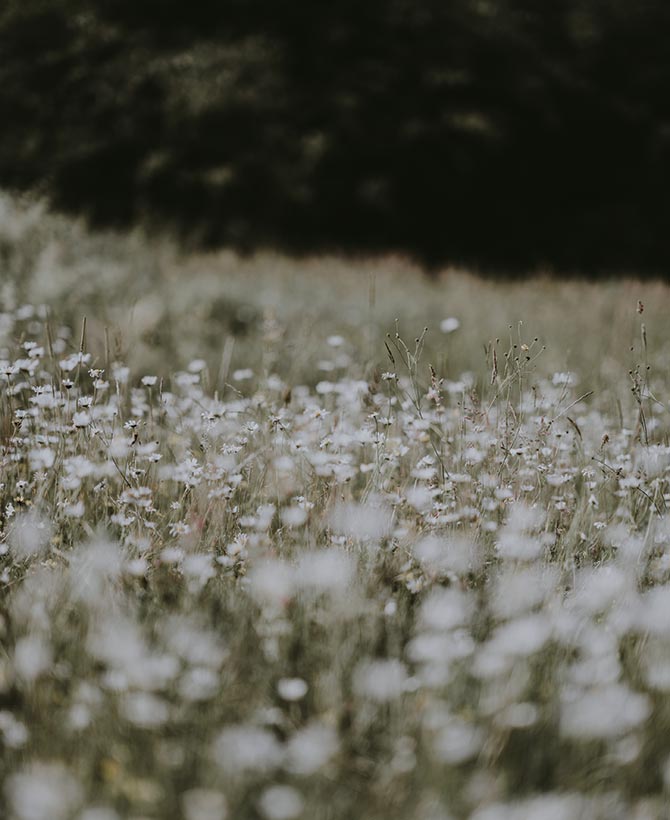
(501, 133)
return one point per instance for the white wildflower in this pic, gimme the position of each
(604, 712)
(292, 689)
(380, 680)
(450, 324)
(204, 804)
(244, 748)
(364, 522)
(28, 535)
(32, 657)
(280, 803)
(311, 748)
(43, 791)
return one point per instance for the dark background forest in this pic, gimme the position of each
(504, 134)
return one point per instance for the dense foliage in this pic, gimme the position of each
(496, 131)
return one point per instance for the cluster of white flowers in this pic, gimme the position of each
(270, 598)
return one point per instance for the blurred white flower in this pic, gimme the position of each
(292, 689)
(564, 379)
(28, 535)
(443, 555)
(280, 803)
(197, 365)
(144, 709)
(32, 657)
(457, 742)
(446, 609)
(271, 581)
(311, 748)
(293, 516)
(243, 374)
(324, 571)
(518, 589)
(246, 748)
(364, 522)
(380, 680)
(605, 712)
(450, 324)
(204, 804)
(43, 791)
(13, 733)
(81, 419)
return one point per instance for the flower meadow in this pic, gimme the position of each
(325, 564)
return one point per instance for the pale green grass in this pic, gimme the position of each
(154, 300)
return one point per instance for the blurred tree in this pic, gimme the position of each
(497, 132)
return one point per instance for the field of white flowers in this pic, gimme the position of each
(325, 539)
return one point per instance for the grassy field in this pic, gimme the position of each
(327, 539)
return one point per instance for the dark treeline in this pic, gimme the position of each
(503, 133)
